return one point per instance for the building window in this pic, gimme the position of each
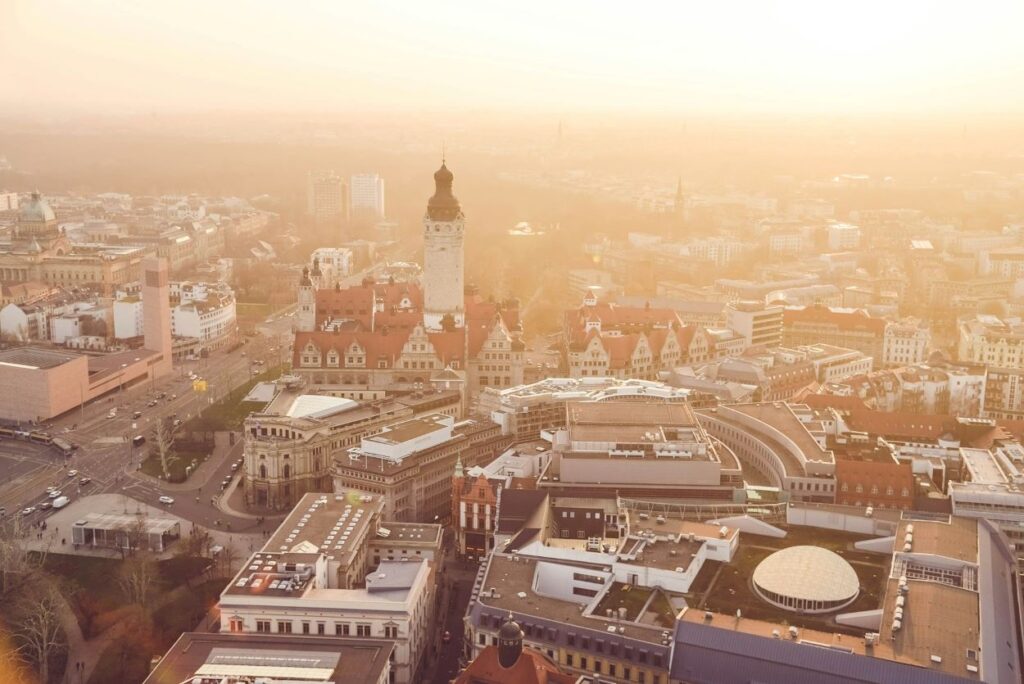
(305, 628)
(321, 628)
(390, 631)
(363, 630)
(284, 627)
(263, 626)
(236, 625)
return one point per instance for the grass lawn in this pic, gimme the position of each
(229, 413)
(732, 590)
(662, 611)
(627, 596)
(151, 466)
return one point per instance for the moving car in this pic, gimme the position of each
(28, 511)
(112, 413)
(137, 415)
(138, 440)
(85, 480)
(45, 506)
(166, 500)
(72, 473)
(54, 494)
(61, 502)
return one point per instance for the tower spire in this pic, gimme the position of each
(459, 472)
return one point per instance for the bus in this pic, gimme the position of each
(6, 431)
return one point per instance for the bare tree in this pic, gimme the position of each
(227, 558)
(39, 627)
(133, 536)
(17, 560)
(163, 442)
(137, 577)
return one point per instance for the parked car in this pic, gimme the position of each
(166, 500)
(85, 480)
(72, 473)
(136, 415)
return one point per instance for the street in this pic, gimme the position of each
(106, 456)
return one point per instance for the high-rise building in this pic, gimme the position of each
(156, 313)
(366, 191)
(327, 198)
(444, 229)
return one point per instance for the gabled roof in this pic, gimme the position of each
(532, 667)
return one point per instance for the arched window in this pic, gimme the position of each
(263, 471)
(287, 471)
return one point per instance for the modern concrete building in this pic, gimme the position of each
(366, 191)
(316, 576)
(156, 314)
(326, 199)
(525, 411)
(200, 657)
(757, 323)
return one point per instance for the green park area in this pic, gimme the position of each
(193, 440)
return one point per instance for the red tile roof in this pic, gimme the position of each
(532, 667)
(844, 320)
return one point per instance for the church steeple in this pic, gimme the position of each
(443, 206)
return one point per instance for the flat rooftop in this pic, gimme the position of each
(675, 526)
(631, 413)
(117, 521)
(983, 468)
(37, 358)
(512, 578)
(410, 429)
(328, 523)
(273, 657)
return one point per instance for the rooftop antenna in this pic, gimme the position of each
(444, 146)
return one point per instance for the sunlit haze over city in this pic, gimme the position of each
(511, 343)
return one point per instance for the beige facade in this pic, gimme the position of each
(287, 456)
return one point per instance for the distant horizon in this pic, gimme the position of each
(782, 58)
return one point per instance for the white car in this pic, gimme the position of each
(54, 494)
(166, 500)
(72, 473)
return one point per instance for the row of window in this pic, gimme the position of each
(320, 628)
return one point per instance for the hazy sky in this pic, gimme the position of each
(544, 55)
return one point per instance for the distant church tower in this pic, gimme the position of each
(443, 227)
(306, 318)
